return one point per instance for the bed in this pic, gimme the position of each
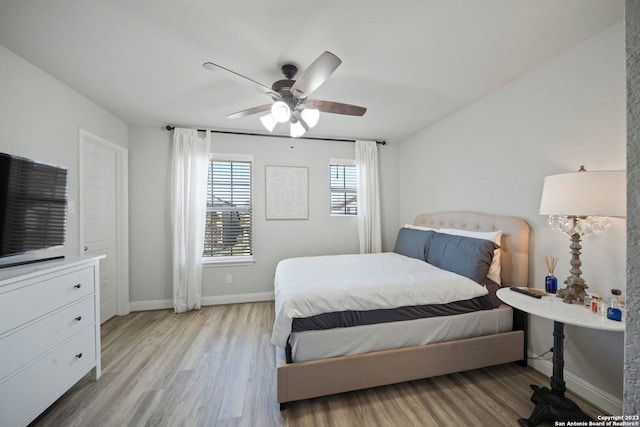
(313, 361)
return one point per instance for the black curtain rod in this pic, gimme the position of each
(169, 127)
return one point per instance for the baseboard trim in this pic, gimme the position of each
(207, 300)
(238, 299)
(150, 305)
(577, 385)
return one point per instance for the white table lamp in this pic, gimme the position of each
(580, 203)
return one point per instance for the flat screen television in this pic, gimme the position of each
(33, 210)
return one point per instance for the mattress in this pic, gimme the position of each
(310, 286)
(321, 344)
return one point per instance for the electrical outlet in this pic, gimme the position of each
(228, 278)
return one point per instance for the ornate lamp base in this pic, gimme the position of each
(575, 290)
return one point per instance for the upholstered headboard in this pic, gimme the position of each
(514, 245)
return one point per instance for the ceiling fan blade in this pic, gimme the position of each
(242, 79)
(316, 74)
(249, 111)
(337, 107)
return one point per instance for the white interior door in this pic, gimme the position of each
(99, 203)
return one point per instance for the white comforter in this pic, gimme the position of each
(313, 285)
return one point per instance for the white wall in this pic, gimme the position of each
(492, 156)
(149, 157)
(40, 119)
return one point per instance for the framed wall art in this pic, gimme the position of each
(287, 192)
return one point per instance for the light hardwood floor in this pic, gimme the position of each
(215, 367)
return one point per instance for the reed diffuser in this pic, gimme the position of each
(551, 281)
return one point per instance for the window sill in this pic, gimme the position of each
(211, 262)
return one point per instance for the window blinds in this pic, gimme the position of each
(343, 183)
(228, 229)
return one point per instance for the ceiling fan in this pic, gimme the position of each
(290, 97)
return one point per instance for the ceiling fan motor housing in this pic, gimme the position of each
(283, 86)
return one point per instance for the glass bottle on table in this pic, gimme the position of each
(616, 304)
(551, 283)
(614, 300)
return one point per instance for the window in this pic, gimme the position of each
(343, 184)
(228, 228)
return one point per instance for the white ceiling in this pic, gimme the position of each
(410, 62)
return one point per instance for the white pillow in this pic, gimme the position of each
(493, 236)
(419, 227)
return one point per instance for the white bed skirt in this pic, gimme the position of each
(322, 344)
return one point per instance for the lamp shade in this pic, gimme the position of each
(311, 116)
(587, 193)
(269, 122)
(296, 130)
(280, 111)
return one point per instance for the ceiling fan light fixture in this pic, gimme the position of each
(280, 111)
(296, 130)
(269, 122)
(290, 98)
(311, 116)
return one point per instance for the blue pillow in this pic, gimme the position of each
(466, 256)
(413, 243)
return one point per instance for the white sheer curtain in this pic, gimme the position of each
(368, 197)
(189, 169)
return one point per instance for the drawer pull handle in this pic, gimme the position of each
(78, 286)
(77, 319)
(79, 356)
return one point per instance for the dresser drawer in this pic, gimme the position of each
(27, 393)
(22, 345)
(25, 304)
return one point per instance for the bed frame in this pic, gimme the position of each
(305, 380)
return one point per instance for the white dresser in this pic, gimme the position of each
(49, 333)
